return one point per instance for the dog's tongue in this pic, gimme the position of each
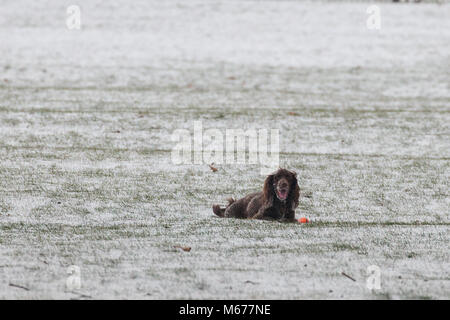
(282, 194)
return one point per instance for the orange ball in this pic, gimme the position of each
(303, 220)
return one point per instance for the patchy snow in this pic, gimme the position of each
(86, 177)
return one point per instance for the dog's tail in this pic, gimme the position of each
(221, 211)
(218, 210)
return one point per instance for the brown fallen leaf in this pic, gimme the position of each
(307, 194)
(187, 249)
(213, 169)
(292, 113)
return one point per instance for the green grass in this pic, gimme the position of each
(86, 176)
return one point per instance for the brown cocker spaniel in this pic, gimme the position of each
(277, 201)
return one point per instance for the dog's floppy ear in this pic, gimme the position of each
(268, 190)
(295, 191)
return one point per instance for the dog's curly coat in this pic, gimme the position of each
(277, 201)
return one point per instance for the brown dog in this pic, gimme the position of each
(277, 201)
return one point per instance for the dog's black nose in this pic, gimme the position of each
(283, 185)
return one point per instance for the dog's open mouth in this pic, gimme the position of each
(282, 194)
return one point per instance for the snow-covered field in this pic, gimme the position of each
(86, 176)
